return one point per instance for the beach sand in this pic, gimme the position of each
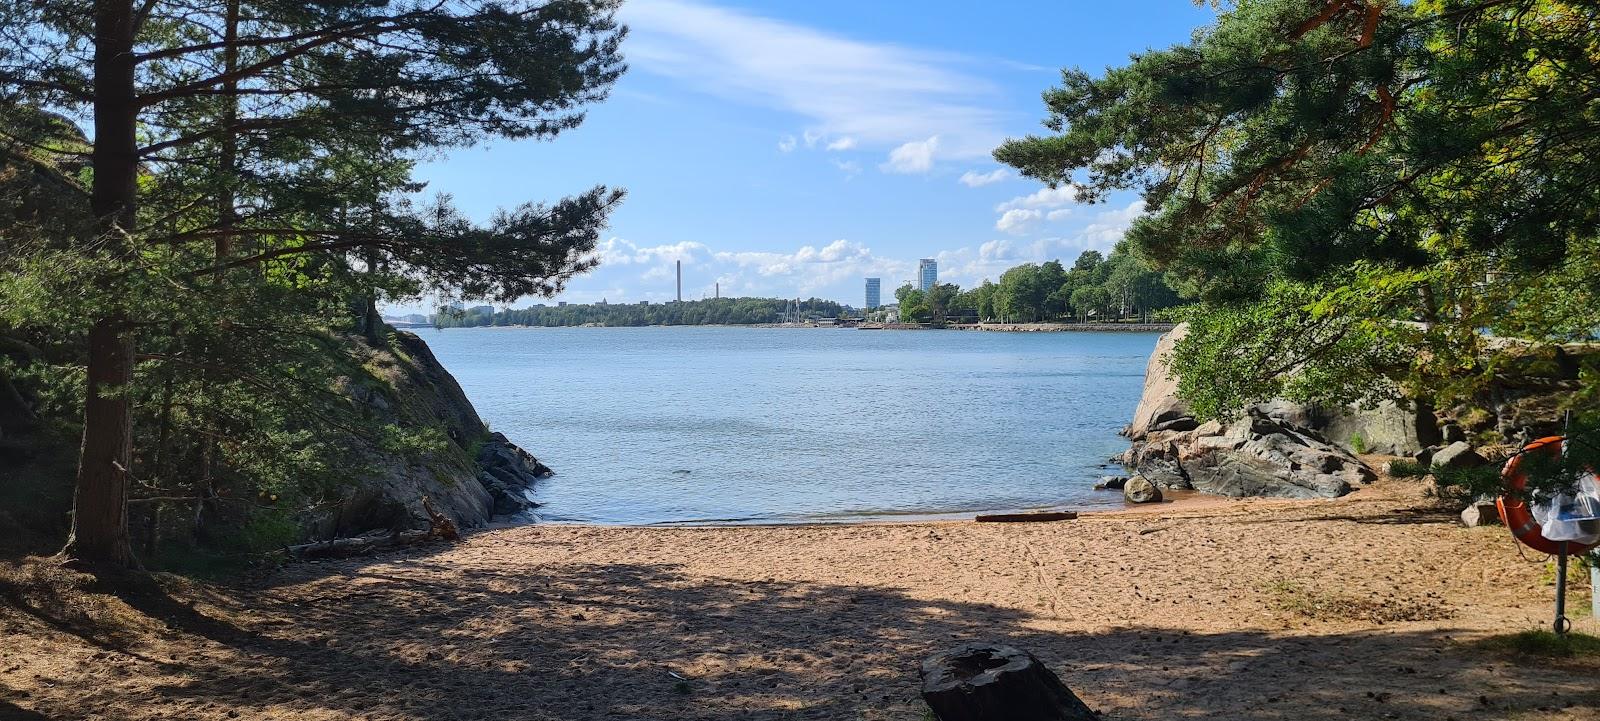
(1372, 606)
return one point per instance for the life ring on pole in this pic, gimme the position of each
(1514, 511)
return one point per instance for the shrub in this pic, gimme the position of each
(1406, 468)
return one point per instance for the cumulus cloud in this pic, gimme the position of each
(974, 179)
(844, 143)
(616, 251)
(787, 143)
(1043, 198)
(850, 167)
(913, 157)
(880, 95)
(1058, 214)
(1017, 220)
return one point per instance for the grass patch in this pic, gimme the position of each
(1406, 468)
(1316, 605)
(1545, 644)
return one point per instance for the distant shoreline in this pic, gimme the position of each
(982, 327)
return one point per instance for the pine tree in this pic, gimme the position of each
(261, 150)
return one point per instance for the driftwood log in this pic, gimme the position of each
(991, 682)
(359, 545)
(1026, 517)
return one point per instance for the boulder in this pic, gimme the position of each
(1480, 513)
(1458, 455)
(993, 682)
(1139, 489)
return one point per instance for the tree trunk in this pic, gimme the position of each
(100, 500)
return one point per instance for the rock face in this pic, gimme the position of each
(478, 476)
(1268, 451)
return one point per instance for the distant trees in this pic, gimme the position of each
(1096, 287)
(718, 311)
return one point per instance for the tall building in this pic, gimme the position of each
(874, 293)
(927, 274)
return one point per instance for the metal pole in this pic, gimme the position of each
(1563, 624)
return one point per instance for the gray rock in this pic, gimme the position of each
(1138, 489)
(1110, 483)
(1452, 433)
(1480, 514)
(1393, 428)
(1458, 455)
(1424, 456)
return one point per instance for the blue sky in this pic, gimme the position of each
(793, 148)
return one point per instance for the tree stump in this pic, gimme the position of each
(990, 682)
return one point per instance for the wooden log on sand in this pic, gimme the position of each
(1027, 517)
(992, 682)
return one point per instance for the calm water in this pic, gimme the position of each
(682, 425)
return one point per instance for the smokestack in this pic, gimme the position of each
(718, 289)
(680, 281)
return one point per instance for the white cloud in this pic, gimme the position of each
(1017, 220)
(1043, 198)
(974, 179)
(913, 157)
(844, 143)
(616, 251)
(787, 143)
(850, 167)
(1058, 214)
(879, 94)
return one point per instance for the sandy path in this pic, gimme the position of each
(1358, 608)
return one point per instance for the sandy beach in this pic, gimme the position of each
(1372, 606)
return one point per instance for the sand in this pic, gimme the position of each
(1373, 606)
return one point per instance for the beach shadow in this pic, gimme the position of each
(639, 641)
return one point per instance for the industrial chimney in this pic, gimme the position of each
(680, 281)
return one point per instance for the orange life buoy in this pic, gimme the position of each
(1514, 511)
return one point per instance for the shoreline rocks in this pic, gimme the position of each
(1264, 452)
(507, 472)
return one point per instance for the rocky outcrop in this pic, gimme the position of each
(476, 477)
(507, 473)
(1255, 455)
(1268, 451)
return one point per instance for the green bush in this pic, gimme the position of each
(1460, 486)
(1405, 468)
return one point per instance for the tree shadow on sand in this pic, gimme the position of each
(413, 639)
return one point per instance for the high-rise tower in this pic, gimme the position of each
(927, 274)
